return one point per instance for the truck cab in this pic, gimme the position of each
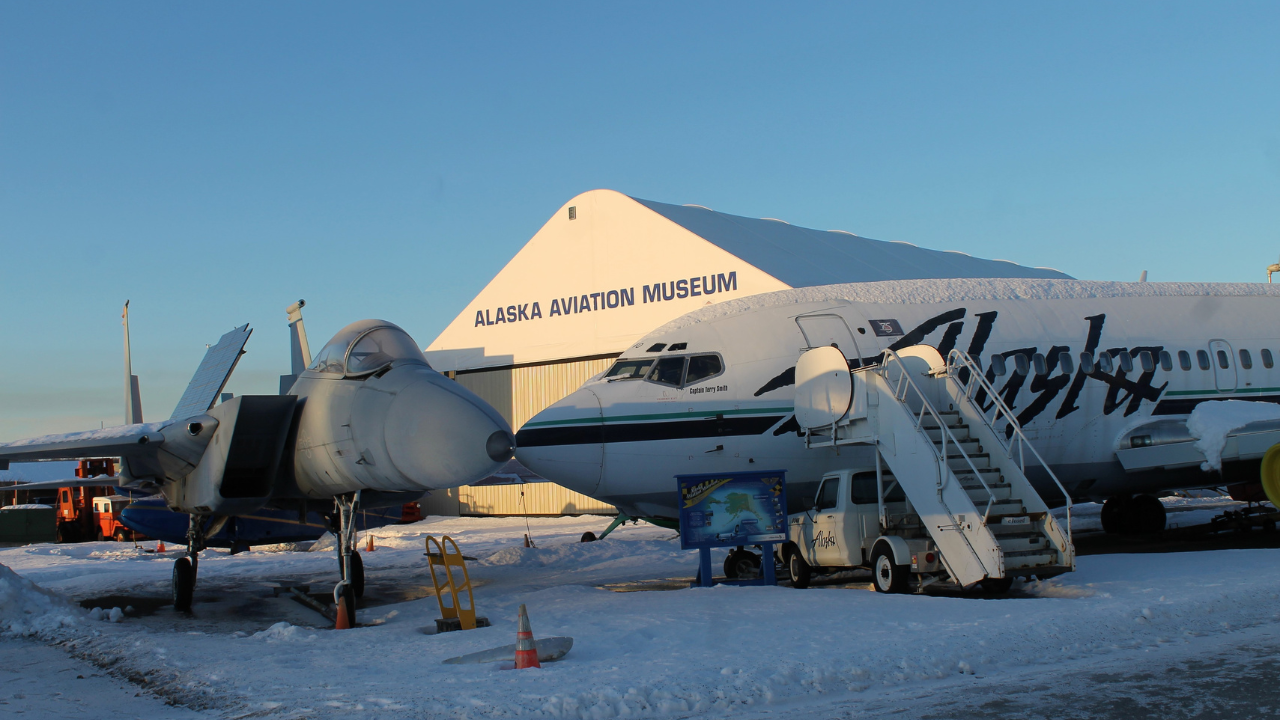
(858, 521)
(106, 518)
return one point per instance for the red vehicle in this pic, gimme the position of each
(106, 518)
(77, 507)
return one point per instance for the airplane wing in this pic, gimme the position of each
(108, 442)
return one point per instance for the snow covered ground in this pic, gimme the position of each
(750, 651)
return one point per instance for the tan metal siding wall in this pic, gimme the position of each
(519, 394)
(533, 389)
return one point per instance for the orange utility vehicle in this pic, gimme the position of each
(81, 511)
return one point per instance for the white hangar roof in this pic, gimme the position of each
(608, 268)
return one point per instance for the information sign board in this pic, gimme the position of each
(730, 509)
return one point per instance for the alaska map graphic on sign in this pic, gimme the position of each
(732, 509)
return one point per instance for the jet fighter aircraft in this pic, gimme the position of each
(368, 424)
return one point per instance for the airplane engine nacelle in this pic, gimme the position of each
(238, 469)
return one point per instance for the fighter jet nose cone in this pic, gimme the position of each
(501, 446)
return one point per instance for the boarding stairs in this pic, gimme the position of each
(955, 448)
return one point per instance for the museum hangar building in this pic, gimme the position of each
(608, 268)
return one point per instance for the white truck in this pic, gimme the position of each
(850, 526)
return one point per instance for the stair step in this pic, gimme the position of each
(1029, 558)
(1004, 508)
(978, 494)
(950, 419)
(959, 432)
(1023, 542)
(981, 461)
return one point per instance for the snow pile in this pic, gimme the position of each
(284, 632)
(28, 609)
(1212, 421)
(26, 506)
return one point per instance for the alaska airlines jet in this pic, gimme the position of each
(1101, 376)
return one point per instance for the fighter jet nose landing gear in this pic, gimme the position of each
(351, 586)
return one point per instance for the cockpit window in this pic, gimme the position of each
(378, 348)
(629, 369)
(669, 371)
(702, 367)
(329, 359)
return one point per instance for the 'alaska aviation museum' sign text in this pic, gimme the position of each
(610, 299)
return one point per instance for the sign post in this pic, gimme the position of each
(732, 510)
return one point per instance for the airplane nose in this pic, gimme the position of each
(565, 442)
(439, 434)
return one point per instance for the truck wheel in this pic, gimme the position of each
(184, 583)
(741, 564)
(101, 537)
(888, 576)
(996, 586)
(799, 569)
(120, 536)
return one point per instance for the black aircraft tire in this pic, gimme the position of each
(887, 577)
(741, 564)
(800, 571)
(1146, 515)
(588, 536)
(184, 584)
(357, 572)
(1116, 516)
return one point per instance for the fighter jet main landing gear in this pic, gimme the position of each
(184, 568)
(349, 562)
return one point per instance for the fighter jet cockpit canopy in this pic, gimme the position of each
(366, 347)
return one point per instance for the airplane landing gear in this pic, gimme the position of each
(184, 568)
(349, 562)
(1141, 515)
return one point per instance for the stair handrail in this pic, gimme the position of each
(977, 378)
(900, 396)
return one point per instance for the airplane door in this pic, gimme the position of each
(1224, 368)
(828, 329)
(827, 541)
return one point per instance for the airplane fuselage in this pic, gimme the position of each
(1156, 351)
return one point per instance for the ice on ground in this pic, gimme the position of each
(27, 609)
(1212, 421)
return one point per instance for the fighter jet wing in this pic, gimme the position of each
(100, 481)
(108, 442)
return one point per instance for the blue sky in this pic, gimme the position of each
(215, 162)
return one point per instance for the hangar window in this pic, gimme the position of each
(1037, 361)
(629, 369)
(1104, 362)
(668, 371)
(1166, 361)
(702, 367)
(1202, 358)
(1064, 362)
(1224, 361)
(1184, 359)
(1267, 362)
(997, 365)
(1126, 361)
(1148, 363)
(1021, 365)
(1246, 360)
(1086, 362)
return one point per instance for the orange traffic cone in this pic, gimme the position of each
(160, 546)
(342, 623)
(368, 546)
(526, 648)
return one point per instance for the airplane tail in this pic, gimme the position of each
(132, 391)
(212, 375)
(300, 351)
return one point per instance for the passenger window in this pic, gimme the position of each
(1037, 361)
(1202, 358)
(1267, 362)
(1086, 363)
(828, 494)
(1224, 362)
(1148, 363)
(1126, 361)
(628, 369)
(1104, 362)
(702, 367)
(668, 371)
(1064, 362)
(1021, 365)
(1184, 359)
(997, 365)
(1246, 361)
(1166, 361)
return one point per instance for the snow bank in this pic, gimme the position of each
(1212, 421)
(28, 609)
